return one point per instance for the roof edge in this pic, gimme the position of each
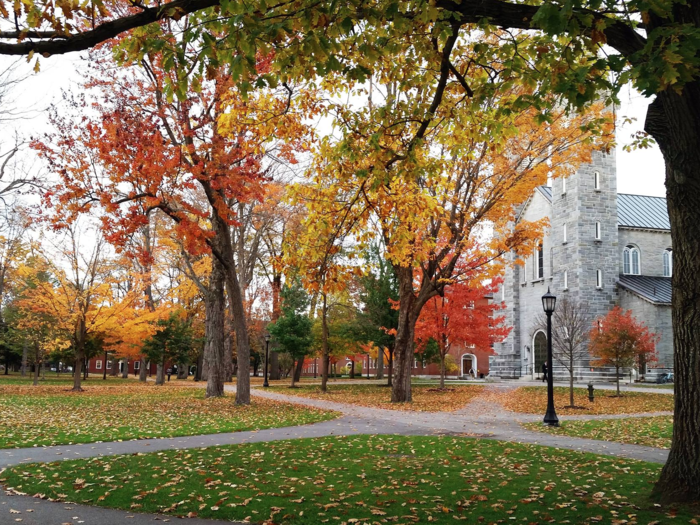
(641, 296)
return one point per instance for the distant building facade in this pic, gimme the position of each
(601, 249)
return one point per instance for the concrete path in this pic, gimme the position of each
(481, 418)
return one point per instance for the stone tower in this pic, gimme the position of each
(584, 235)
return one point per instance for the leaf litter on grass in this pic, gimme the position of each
(52, 415)
(362, 479)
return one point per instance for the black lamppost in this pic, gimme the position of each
(549, 302)
(267, 348)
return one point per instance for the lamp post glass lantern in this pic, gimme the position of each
(549, 303)
(267, 351)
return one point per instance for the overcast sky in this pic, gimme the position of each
(640, 172)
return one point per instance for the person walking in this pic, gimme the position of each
(544, 372)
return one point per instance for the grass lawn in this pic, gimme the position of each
(362, 479)
(15, 378)
(648, 431)
(533, 400)
(426, 398)
(52, 415)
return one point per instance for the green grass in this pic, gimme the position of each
(647, 431)
(66, 379)
(52, 415)
(362, 479)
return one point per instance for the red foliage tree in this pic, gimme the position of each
(462, 317)
(619, 340)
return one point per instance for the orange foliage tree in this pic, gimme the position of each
(195, 158)
(619, 340)
(430, 187)
(463, 316)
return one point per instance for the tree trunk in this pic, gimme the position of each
(294, 375)
(617, 379)
(24, 357)
(79, 356)
(442, 371)
(183, 370)
(215, 320)
(324, 346)
(160, 373)
(352, 369)
(299, 369)
(143, 372)
(403, 349)
(673, 119)
(390, 375)
(125, 371)
(36, 374)
(115, 367)
(571, 378)
(380, 363)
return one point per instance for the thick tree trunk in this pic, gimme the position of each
(143, 372)
(390, 374)
(125, 370)
(24, 357)
(36, 373)
(160, 373)
(79, 356)
(673, 120)
(403, 349)
(352, 369)
(115, 368)
(215, 320)
(293, 375)
(183, 370)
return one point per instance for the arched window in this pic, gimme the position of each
(668, 263)
(540, 345)
(631, 260)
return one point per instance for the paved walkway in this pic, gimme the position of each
(481, 418)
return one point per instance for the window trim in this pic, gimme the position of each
(137, 365)
(566, 235)
(566, 280)
(563, 185)
(596, 180)
(628, 262)
(539, 262)
(598, 231)
(599, 279)
(109, 364)
(98, 364)
(667, 258)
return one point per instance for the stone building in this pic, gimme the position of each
(601, 249)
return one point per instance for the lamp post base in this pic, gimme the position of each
(551, 420)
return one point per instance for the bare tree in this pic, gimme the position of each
(571, 323)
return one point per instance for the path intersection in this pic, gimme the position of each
(480, 418)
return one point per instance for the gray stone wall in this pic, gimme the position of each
(658, 319)
(651, 244)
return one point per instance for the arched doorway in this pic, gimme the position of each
(469, 367)
(539, 343)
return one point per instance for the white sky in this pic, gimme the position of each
(640, 171)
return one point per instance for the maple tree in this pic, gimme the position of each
(142, 167)
(461, 317)
(619, 340)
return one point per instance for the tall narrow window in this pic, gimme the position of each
(668, 263)
(98, 364)
(597, 231)
(599, 278)
(566, 239)
(566, 279)
(540, 261)
(563, 185)
(631, 260)
(596, 180)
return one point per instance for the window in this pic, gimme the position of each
(98, 364)
(563, 185)
(109, 365)
(599, 278)
(596, 181)
(539, 262)
(668, 263)
(471, 305)
(137, 365)
(631, 260)
(566, 239)
(415, 363)
(597, 231)
(566, 279)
